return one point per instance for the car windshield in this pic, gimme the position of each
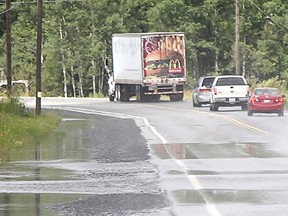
(266, 91)
(207, 82)
(230, 81)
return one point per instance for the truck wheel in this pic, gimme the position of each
(213, 107)
(121, 94)
(157, 97)
(180, 97)
(139, 94)
(117, 92)
(176, 97)
(124, 96)
(154, 98)
(172, 97)
(250, 113)
(111, 97)
(198, 104)
(194, 104)
(244, 107)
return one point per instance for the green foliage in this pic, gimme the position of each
(12, 107)
(18, 126)
(274, 82)
(77, 38)
(97, 95)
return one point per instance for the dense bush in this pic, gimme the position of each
(13, 107)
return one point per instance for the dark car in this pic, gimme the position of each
(266, 100)
(201, 91)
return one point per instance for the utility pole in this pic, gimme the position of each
(237, 38)
(8, 49)
(39, 57)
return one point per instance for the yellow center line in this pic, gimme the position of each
(236, 122)
(210, 205)
(230, 119)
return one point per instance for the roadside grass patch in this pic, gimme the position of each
(19, 126)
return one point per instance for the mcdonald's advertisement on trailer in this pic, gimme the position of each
(164, 56)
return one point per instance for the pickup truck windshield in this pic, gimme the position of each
(230, 81)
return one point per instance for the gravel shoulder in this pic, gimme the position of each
(121, 174)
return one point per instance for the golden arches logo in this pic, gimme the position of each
(174, 64)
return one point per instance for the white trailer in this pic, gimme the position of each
(148, 65)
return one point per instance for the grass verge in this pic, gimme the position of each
(19, 126)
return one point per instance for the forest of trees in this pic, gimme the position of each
(77, 39)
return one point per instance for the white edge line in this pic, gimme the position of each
(211, 207)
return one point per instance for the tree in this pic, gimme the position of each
(77, 38)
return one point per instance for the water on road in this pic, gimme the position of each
(79, 171)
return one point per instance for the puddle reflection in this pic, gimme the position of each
(37, 158)
(224, 196)
(32, 204)
(226, 150)
(31, 163)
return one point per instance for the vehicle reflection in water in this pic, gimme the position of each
(219, 196)
(225, 150)
(198, 159)
(31, 163)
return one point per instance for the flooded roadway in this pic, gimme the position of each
(194, 163)
(79, 171)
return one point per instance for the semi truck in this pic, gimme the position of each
(148, 65)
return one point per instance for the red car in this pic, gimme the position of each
(266, 100)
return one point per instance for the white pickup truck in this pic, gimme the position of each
(229, 90)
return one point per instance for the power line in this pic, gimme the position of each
(48, 1)
(267, 16)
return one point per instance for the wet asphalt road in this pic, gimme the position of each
(151, 159)
(125, 181)
(95, 168)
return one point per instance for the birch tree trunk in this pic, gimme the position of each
(93, 45)
(100, 81)
(63, 64)
(73, 80)
(93, 76)
(94, 85)
(81, 93)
